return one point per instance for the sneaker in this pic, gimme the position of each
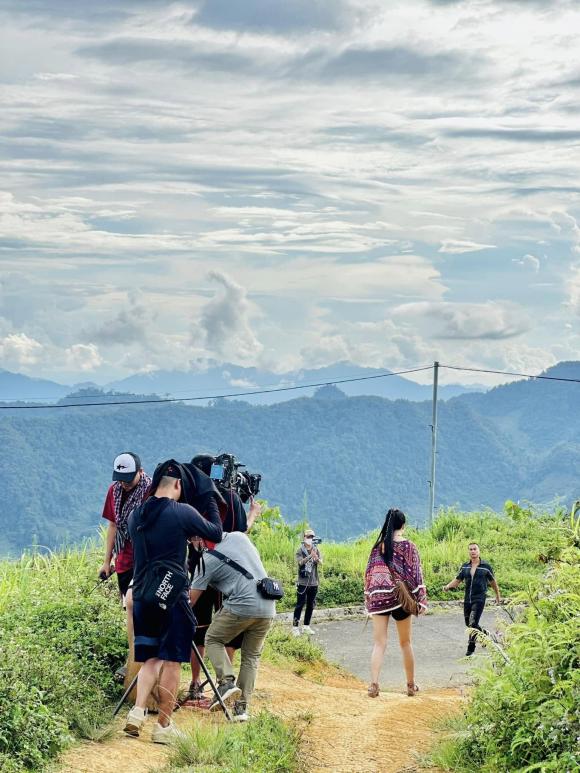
(135, 721)
(307, 629)
(167, 734)
(469, 653)
(228, 690)
(295, 631)
(240, 712)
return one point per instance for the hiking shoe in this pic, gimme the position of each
(240, 712)
(135, 721)
(412, 689)
(228, 690)
(166, 735)
(307, 629)
(295, 631)
(469, 653)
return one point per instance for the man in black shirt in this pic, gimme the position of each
(477, 575)
(160, 530)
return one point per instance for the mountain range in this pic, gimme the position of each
(226, 379)
(340, 460)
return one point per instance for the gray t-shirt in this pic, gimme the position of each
(241, 596)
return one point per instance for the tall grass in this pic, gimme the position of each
(512, 541)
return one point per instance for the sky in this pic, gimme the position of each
(288, 185)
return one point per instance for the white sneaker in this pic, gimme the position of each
(167, 734)
(307, 629)
(295, 630)
(135, 721)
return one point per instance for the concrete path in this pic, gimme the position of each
(439, 642)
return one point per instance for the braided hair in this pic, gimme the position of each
(394, 520)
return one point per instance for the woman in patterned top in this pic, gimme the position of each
(393, 580)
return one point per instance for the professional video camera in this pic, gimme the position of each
(228, 473)
(316, 540)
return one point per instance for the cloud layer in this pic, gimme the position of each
(288, 184)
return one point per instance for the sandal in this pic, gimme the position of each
(412, 689)
(373, 690)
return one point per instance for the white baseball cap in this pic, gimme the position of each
(126, 466)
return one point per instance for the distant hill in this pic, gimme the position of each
(233, 378)
(16, 386)
(348, 458)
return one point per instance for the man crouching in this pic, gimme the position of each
(160, 529)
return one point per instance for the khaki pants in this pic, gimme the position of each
(224, 627)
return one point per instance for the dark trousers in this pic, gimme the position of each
(306, 596)
(472, 612)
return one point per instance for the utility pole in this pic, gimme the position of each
(433, 444)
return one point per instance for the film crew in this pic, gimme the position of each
(234, 519)
(234, 571)
(477, 575)
(393, 587)
(129, 489)
(309, 559)
(160, 529)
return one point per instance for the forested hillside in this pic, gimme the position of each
(347, 459)
(344, 459)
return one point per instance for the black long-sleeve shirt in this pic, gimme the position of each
(166, 526)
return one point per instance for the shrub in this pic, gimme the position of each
(523, 714)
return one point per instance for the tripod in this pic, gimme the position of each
(208, 679)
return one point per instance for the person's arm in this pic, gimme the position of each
(106, 569)
(196, 525)
(453, 584)
(194, 595)
(495, 586)
(301, 558)
(255, 512)
(109, 515)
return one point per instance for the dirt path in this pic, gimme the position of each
(344, 730)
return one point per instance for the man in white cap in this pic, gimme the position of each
(129, 489)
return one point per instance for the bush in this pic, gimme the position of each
(60, 645)
(523, 714)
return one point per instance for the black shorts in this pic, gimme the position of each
(208, 603)
(398, 614)
(164, 635)
(124, 579)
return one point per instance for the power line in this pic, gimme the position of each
(214, 396)
(509, 373)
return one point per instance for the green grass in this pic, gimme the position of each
(61, 638)
(512, 541)
(523, 714)
(265, 744)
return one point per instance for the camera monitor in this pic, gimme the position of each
(217, 472)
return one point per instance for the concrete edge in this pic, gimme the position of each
(358, 611)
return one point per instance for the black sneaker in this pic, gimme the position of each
(469, 653)
(240, 712)
(228, 690)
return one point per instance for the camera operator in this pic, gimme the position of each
(160, 530)
(235, 519)
(308, 558)
(245, 611)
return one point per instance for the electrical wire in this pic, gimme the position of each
(214, 396)
(510, 373)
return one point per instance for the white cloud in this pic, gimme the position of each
(18, 350)
(457, 247)
(488, 321)
(528, 261)
(226, 322)
(83, 357)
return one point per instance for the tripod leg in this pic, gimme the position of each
(211, 681)
(125, 694)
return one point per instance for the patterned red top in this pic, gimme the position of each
(380, 587)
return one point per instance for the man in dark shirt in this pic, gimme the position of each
(477, 575)
(160, 530)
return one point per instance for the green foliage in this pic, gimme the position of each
(265, 744)
(515, 548)
(60, 645)
(523, 714)
(282, 647)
